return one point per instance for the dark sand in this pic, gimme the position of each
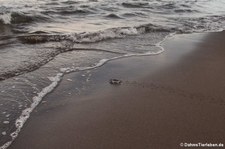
(164, 100)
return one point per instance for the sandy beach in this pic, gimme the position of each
(164, 100)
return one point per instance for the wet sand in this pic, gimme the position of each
(164, 100)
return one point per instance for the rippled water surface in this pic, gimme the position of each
(41, 40)
(66, 16)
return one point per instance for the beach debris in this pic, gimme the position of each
(115, 81)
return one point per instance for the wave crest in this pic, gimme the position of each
(91, 37)
(5, 18)
(19, 17)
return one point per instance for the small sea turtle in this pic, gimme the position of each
(115, 81)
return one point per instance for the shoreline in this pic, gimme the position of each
(98, 94)
(55, 81)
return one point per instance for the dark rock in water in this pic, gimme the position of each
(115, 82)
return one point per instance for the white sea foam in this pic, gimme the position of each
(88, 37)
(26, 113)
(6, 18)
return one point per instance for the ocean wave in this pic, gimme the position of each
(185, 11)
(201, 24)
(78, 11)
(5, 18)
(91, 37)
(69, 2)
(135, 4)
(113, 16)
(57, 13)
(171, 5)
(19, 18)
(67, 11)
(41, 57)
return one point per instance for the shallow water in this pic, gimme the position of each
(41, 40)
